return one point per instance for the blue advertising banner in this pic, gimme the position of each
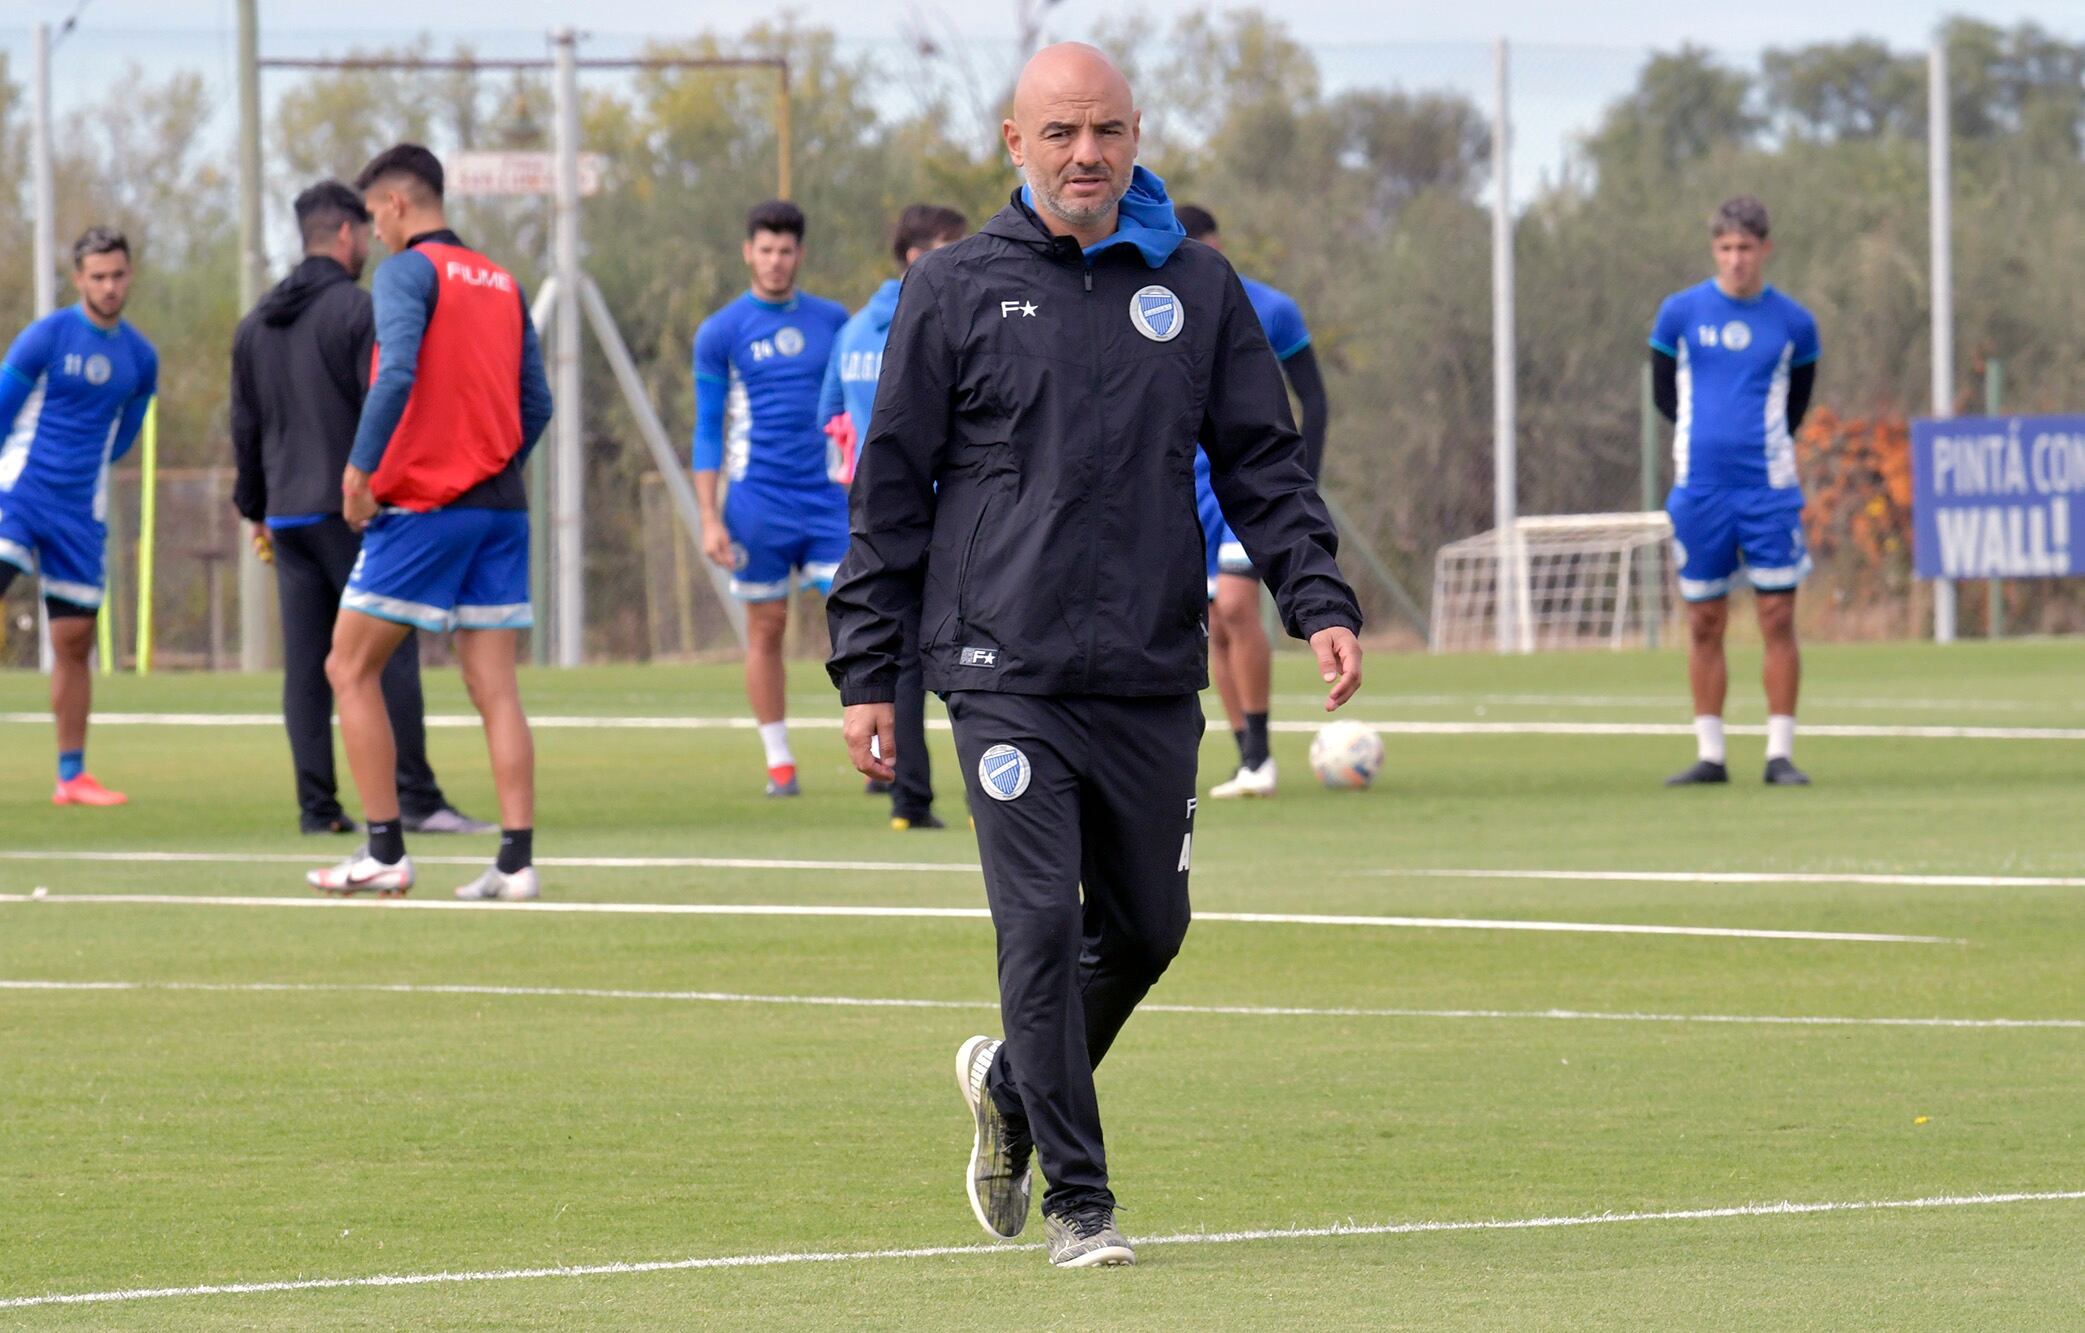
(1997, 497)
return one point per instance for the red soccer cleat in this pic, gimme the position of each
(781, 780)
(84, 790)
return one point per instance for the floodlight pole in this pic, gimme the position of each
(44, 246)
(568, 459)
(1512, 636)
(260, 628)
(46, 226)
(1939, 174)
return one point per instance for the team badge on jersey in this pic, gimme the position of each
(1003, 772)
(1737, 335)
(1156, 313)
(789, 340)
(98, 369)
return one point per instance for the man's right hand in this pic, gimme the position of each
(716, 542)
(357, 504)
(864, 723)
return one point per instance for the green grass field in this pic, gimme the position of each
(253, 1109)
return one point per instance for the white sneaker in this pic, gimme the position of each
(518, 887)
(363, 873)
(1249, 782)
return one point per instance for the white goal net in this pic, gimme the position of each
(1555, 581)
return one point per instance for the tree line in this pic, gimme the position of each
(1368, 205)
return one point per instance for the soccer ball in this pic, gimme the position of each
(1346, 756)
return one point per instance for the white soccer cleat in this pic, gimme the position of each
(495, 886)
(1248, 782)
(363, 873)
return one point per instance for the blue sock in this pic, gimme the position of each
(71, 763)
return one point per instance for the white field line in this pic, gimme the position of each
(1758, 877)
(562, 862)
(960, 914)
(1665, 702)
(883, 1002)
(1398, 728)
(973, 868)
(1337, 1230)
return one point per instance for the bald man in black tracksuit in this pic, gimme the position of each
(1029, 487)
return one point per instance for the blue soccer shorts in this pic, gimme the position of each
(64, 550)
(446, 569)
(1716, 530)
(1222, 552)
(777, 534)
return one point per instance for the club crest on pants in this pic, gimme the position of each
(1003, 772)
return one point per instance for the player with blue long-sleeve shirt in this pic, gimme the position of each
(1732, 365)
(846, 404)
(74, 388)
(759, 363)
(1241, 659)
(433, 480)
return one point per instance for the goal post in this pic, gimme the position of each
(1575, 580)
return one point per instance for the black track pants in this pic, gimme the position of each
(312, 564)
(1072, 792)
(912, 794)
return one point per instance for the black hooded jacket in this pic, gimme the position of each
(300, 369)
(1028, 478)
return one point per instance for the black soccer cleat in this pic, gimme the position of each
(1704, 771)
(1784, 773)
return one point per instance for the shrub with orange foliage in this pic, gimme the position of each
(1856, 474)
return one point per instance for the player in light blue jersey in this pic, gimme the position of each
(759, 363)
(845, 405)
(1241, 660)
(73, 391)
(1732, 365)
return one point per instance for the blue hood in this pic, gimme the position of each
(883, 306)
(1146, 220)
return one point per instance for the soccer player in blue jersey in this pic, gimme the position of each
(845, 404)
(1732, 364)
(1241, 661)
(73, 391)
(759, 363)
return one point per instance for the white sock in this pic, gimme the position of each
(774, 738)
(1708, 738)
(1780, 736)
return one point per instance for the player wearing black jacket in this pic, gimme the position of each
(1028, 484)
(300, 369)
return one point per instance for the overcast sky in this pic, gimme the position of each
(1571, 58)
(1751, 24)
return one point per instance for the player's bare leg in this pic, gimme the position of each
(487, 657)
(1234, 621)
(72, 684)
(767, 629)
(72, 698)
(1783, 673)
(1708, 675)
(1220, 673)
(355, 667)
(361, 645)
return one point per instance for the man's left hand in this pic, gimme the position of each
(357, 505)
(1339, 663)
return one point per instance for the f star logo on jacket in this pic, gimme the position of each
(1025, 309)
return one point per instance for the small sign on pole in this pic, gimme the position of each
(1998, 497)
(516, 173)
